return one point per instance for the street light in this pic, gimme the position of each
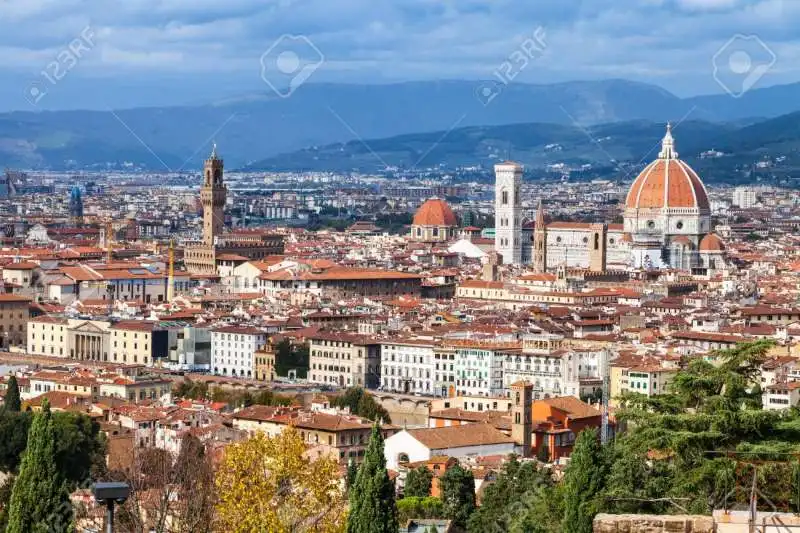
(109, 493)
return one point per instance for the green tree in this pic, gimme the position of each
(40, 500)
(584, 481)
(372, 504)
(540, 511)
(13, 438)
(290, 356)
(362, 404)
(12, 400)
(516, 491)
(686, 440)
(192, 390)
(418, 482)
(458, 494)
(267, 397)
(5, 499)
(410, 508)
(80, 448)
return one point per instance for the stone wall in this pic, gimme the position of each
(631, 523)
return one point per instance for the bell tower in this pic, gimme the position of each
(212, 196)
(597, 247)
(522, 415)
(508, 212)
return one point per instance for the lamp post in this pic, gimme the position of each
(109, 493)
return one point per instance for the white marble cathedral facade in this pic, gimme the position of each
(667, 224)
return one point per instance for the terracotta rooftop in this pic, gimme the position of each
(435, 212)
(667, 183)
(460, 436)
(575, 408)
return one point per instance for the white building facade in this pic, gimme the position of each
(408, 367)
(666, 217)
(745, 197)
(232, 350)
(479, 369)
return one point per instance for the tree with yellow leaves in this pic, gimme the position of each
(268, 484)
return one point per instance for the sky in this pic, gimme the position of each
(127, 53)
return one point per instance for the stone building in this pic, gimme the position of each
(201, 257)
(14, 315)
(343, 360)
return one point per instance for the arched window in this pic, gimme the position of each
(504, 200)
(596, 241)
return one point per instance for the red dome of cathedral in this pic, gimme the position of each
(667, 182)
(712, 243)
(435, 212)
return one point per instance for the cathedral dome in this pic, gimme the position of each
(712, 243)
(435, 212)
(667, 183)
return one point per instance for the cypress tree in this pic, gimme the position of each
(458, 494)
(584, 481)
(12, 401)
(372, 505)
(40, 500)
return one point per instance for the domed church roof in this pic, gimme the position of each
(435, 212)
(667, 182)
(711, 243)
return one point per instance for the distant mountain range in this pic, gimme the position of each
(539, 145)
(252, 131)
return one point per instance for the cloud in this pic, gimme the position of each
(667, 42)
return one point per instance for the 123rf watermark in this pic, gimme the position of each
(289, 62)
(741, 63)
(530, 49)
(57, 69)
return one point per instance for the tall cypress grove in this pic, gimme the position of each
(40, 500)
(372, 505)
